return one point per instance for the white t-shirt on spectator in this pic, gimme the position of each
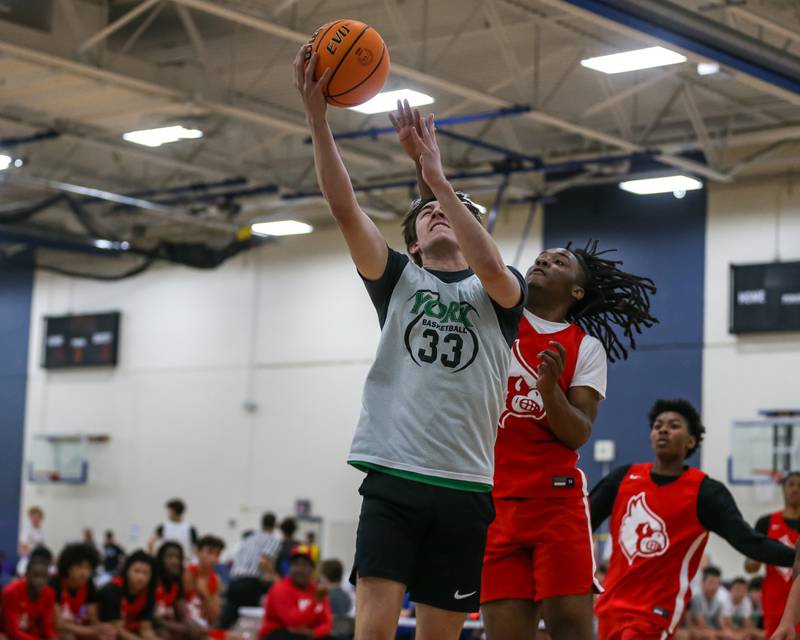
(591, 369)
(31, 536)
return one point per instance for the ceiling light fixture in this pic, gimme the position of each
(5, 162)
(634, 60)
(280, 228)
(665, 184)
(387, 101)
(161, 135)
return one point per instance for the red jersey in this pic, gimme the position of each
(530, 461)
(289, 607)
(166, 598)
(778, 580)
(27, 619)
(658, 544)
(131, 612)
(212, 582)
(74, 606)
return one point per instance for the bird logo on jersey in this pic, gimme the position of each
(642, 532)
(523, 399)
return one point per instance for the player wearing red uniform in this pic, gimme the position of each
(76, 597)
(28, 603)
(783, 526)
(661, 513)
(128, 601)
(202, 584)
(539, 558)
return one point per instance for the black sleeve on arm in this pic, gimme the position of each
(380, 290)
(193, 535)
(717, 512)
(762, 525)
(509, 318)
(109, 600)
(601, 499)
(160, 531)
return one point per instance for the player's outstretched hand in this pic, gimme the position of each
(310, 90)
(785, 631)
(553, 362)
(406, 121)
(430, 157)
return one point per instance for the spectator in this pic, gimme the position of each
(288, 528)
(127, 603)
(332, 573)
(32, 535)
(76, 613)
(29, 603)
(738, 619)
(88, 538)
(253, 571)
(296, 608)
(202, 584)
(171, 619)
(708, 607)
(754, 593)
(175, 529)
(113, 554)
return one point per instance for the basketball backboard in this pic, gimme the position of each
(763, 451)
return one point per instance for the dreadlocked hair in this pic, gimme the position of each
(612, 297)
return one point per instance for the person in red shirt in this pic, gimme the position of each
(201, 583)
(171, 617)
(296, 608)
(539, 557)
(29, 602)
(127, 603)
(661, 514)
(76, 597)
(784, 526)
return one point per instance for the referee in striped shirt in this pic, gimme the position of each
(252, 572)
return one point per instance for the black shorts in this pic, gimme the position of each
(429, 538)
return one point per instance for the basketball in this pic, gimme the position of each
(357, 57)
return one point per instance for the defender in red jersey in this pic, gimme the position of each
(661, 513)
(783, 526)
(28, 603)
(539, 558)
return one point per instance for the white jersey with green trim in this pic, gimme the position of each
(433, 396)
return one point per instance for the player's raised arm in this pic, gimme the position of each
(367, 246)
(404, 122)
(478, 247)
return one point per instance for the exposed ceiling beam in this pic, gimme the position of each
(115, 26)
(150, 88)
(763, 22)
(454, 88)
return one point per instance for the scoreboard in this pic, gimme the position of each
(765, 297)
(81, 340)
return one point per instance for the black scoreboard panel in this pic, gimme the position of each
(81, 341)
(765, 297)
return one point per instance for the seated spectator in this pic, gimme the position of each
(330, 579)
(171, 618)
(754, 594)
(708, 608)
(296, 608)
(29, 603)
(202, 584)
(738, 619)
(113, 554)
(76, 613)
(127, 603)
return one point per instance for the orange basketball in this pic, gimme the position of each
(358, 58)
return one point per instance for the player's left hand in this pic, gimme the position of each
(430, 157)
(785, 631)
(553, 362)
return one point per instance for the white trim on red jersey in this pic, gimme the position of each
(685, 582)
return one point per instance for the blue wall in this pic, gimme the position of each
(664, 238)
(16, 286)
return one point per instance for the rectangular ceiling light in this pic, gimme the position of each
(5, 161)
(162, 135)
(634, 60)
(665, 184)
(281, 228)
(387, 101)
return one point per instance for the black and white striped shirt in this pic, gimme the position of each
(246, 563)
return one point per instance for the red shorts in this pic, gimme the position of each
(538, 548)
(629, 628)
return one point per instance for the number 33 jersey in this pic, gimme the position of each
(435, 391)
